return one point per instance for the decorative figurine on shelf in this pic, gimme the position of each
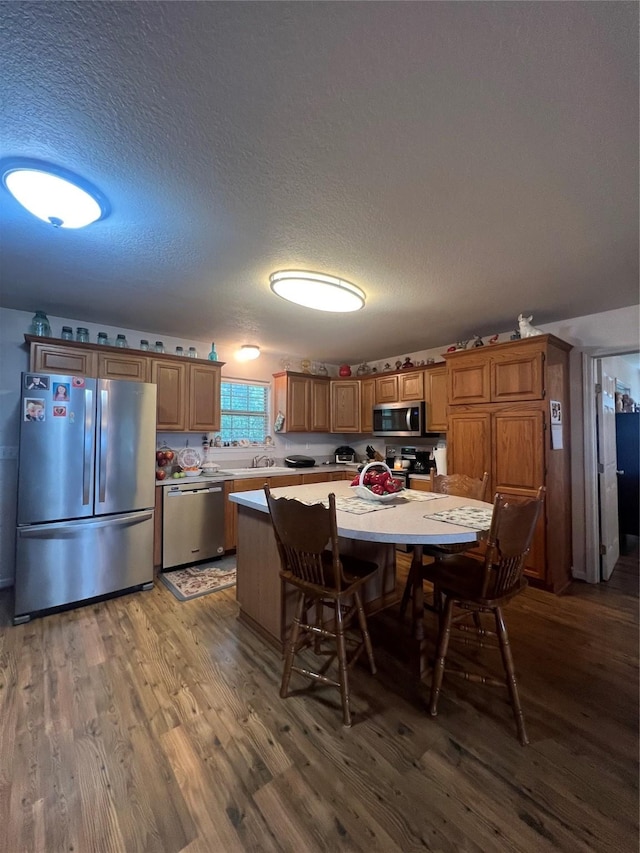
(526, 329)
(363, 369)
(305, 365)
(477, 341)
(407, 363)
(322, 370)
(398, 364)
(386, 367)
(515, 335)
(494, 339)
(217, 441)
(344, 370)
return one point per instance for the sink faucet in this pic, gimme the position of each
(258, 459)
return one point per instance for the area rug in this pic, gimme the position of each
(195, 581)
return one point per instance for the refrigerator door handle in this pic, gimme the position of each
(87, 456)
(102, 462)
(58, 531)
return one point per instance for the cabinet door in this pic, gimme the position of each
(518, 450)
(171, 379)
(345, 406)
(297, 415)
(419, 485)
(469, 444)
(386, 389)
(468, 381)
(320, 417)
(367, 399)
(248, 485)
(136, 368)
(204, 398)
(517, 377)
(436, 398)
(51, 358)
(411, 386)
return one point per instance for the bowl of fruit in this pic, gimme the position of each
(376, 483)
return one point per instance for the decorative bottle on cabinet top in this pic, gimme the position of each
(40, 325)
(213, 355)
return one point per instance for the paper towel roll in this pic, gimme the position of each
(440, 455)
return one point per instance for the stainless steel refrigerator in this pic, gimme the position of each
(86, 489)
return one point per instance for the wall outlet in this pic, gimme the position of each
(8, 452)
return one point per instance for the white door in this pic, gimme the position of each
(607, 477)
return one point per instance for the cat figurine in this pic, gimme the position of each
(526, 329)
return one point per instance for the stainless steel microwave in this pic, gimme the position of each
(401, 419)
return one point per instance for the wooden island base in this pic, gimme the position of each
(267, 605)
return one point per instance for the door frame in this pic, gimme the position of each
(591, 491)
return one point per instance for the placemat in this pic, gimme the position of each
(474, 517)
(417, 495)
(354, 505)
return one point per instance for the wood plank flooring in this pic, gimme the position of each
(147, 724)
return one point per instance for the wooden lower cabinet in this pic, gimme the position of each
(419, 485)
(249, 484)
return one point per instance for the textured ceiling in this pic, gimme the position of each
(461, 162)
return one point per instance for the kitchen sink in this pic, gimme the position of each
(258, 472)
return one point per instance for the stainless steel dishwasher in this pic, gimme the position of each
(192, 524)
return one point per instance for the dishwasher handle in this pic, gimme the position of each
(181, 492)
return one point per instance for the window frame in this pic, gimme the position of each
(225, 413)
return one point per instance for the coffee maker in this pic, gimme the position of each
(424, 462)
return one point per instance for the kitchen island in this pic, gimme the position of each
(266, 605)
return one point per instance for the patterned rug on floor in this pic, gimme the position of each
(195, 581)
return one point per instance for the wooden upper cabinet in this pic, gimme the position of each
(517, 376)
(436, 399)
(468, 381)
(136, 368)
(345, 406)
(505, 373)
(303, 400)
(386, 389)
(58, 358)
(367, 400)
(171, 379)
(411, 386)
(204, 398)
(319, 406)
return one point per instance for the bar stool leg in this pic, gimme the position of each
(342, 665)
(507, 660)
(443, 645)
(291, 646)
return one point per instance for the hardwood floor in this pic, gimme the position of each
(147, 724)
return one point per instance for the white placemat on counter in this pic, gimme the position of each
(474, 517)
(355, 505)
(416, 495)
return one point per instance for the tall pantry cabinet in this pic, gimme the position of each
(499, 417)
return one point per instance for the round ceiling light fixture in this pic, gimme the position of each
(247, 352)
(317, 290)
(53, 194)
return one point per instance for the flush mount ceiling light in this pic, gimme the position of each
(247, 352)
(317, 290)
(53, 194)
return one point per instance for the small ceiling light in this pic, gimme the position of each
(317, 290)
(54, 194)
(247, 352)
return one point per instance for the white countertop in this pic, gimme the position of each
(255, 472)
(402, 523)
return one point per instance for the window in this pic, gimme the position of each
(244, 411)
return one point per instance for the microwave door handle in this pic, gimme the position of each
(104, 428)
(409, 410)
(88, 446)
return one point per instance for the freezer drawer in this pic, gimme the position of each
(73, 561)
(192, 525)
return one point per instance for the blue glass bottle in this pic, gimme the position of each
(213, 355)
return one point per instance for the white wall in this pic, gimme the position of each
(613, 329)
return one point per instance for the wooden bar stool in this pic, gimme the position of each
(447, 484)
(307, 540)
(476, 588)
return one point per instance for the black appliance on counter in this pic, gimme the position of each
(299, 461)
(344, 455)
(412, 460)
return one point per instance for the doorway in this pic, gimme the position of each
(601, 371)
